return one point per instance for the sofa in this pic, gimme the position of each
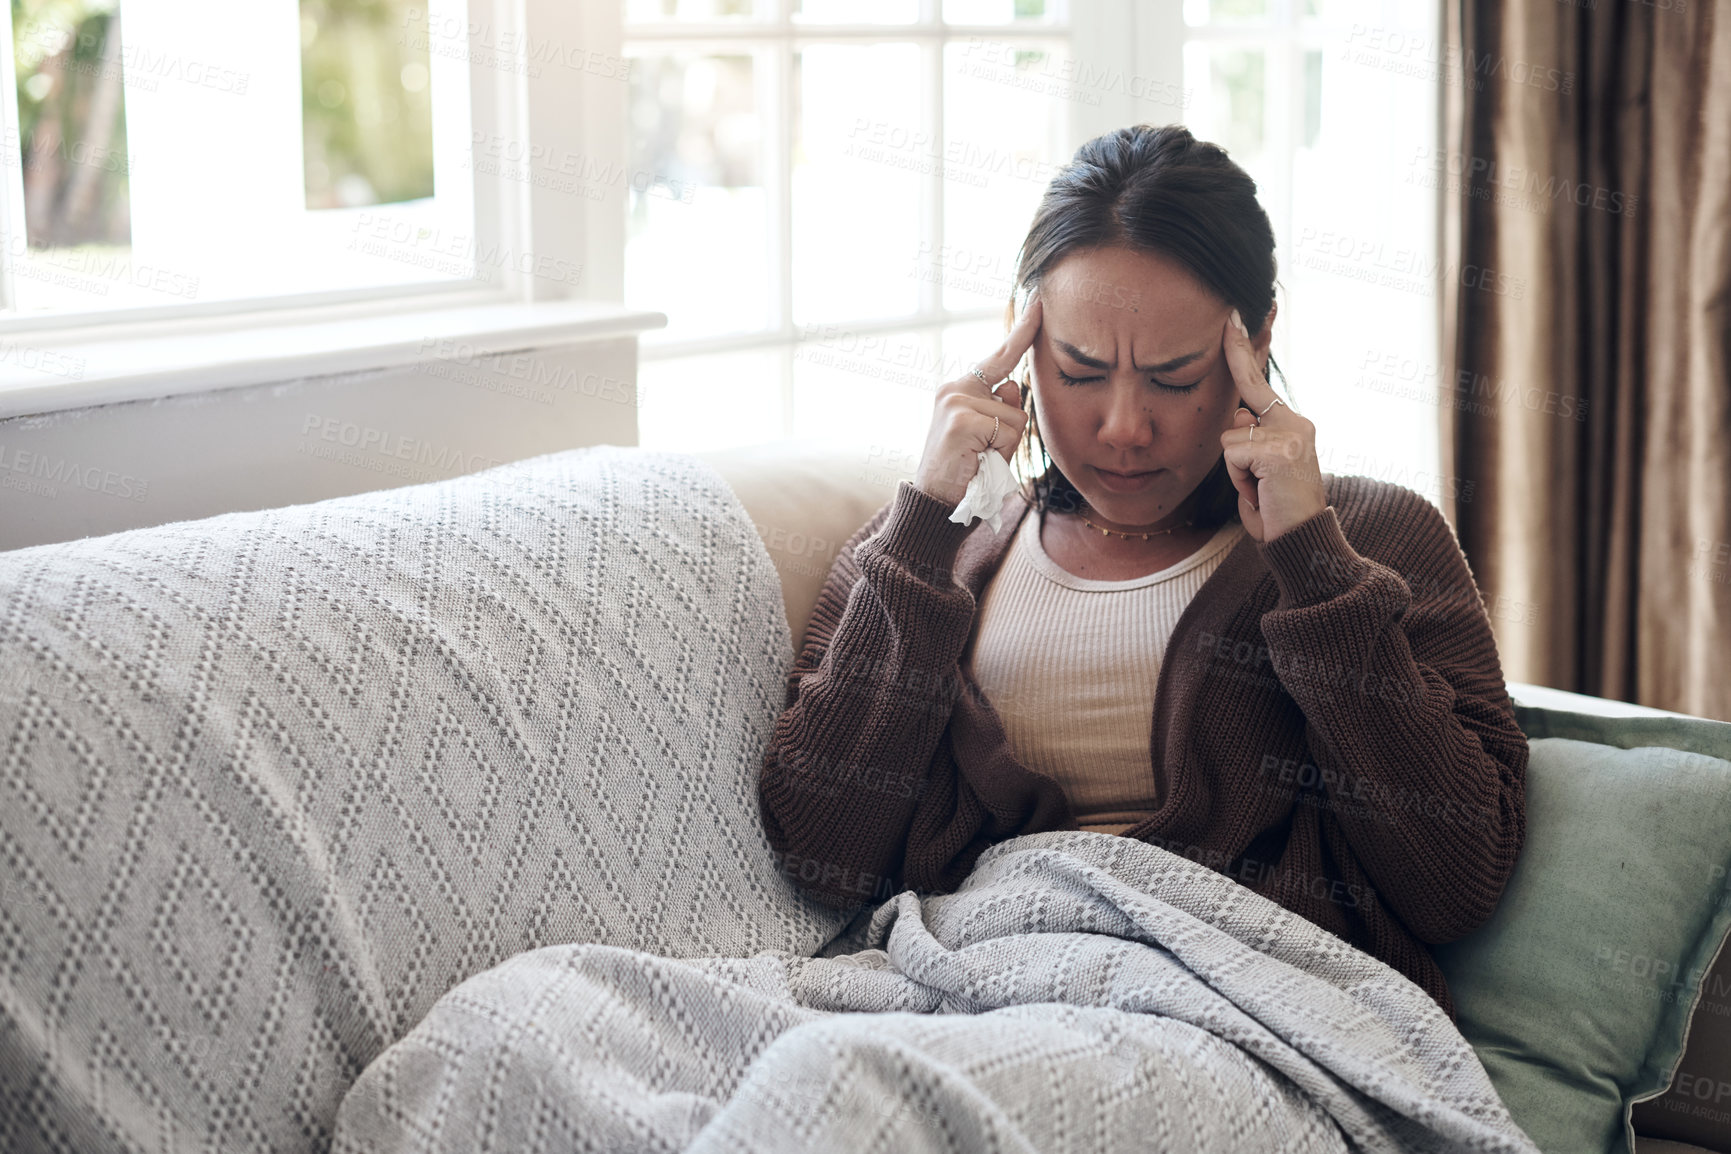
(281, 784)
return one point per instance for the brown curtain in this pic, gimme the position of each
(1586, 233)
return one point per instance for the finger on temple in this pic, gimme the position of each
(1003, 361)
(1254, 391)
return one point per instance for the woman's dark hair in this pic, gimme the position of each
(1157, 190)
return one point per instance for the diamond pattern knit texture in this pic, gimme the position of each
(272, 783)
(1079, 992)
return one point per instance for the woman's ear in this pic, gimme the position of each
(1265, 335)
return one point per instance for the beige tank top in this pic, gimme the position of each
(1070, 665)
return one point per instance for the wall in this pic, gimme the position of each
(112, 467)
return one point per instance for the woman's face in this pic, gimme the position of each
(1105, 312)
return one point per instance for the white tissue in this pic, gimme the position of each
(992, 482)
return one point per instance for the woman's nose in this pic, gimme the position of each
(1128, 423)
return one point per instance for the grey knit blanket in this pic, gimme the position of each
(271, 783)
(1081, 992)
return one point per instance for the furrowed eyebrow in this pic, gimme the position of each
(1096, 363)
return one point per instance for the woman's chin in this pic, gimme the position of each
(1146, 504)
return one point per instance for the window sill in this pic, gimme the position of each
(50, 376)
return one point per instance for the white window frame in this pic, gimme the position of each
(515, 216)
(782, 37)
(1137, 38)
(1284, 38)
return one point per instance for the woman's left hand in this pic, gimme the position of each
(1278, 478)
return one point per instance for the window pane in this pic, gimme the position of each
(1337, 11)
(861, 155)
(648, 11)
(1360, 267)
(366, 106)
(714, 401)
(233, 168)
(697, 234)
(72, 125)
(1001, 11)
(1005, 135)
(72, 143)
(857, 11)
(872, 393)
(1224, 11)
(1228, 86)
(1312, 100)
(867, 388)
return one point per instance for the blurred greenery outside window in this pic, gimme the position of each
(366, 102)
(71, 136)
(366, 134)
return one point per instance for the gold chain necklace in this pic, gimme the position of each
(1127, 536)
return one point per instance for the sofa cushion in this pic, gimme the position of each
(1577, 994)
(806, 500)
(271, 783)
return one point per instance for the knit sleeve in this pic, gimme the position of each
(867, 702)
(1405, 708)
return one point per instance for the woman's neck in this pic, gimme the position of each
(1088, 553)
(1173, 523)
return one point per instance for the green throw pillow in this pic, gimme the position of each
(1577, 993)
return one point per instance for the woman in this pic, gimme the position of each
(1185, 632)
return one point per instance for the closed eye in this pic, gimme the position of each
(1069, 380)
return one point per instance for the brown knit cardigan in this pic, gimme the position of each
(1330, 727)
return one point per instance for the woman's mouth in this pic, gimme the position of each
(1124, 482)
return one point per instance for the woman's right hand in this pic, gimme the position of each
(962, 416)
